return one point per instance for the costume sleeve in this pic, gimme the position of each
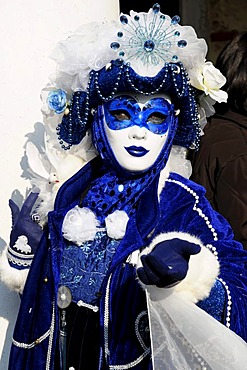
(186, 211)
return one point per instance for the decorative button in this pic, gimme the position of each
(64, 297)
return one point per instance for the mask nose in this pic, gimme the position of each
(138, 133)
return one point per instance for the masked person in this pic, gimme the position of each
(134, 268)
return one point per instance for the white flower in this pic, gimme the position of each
(209, 79)
(79, 225)
(116, 224)
(202, 119)
(207, 103)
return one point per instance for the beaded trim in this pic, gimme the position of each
(115, 88)
(106, 318)
(209, 246)
(34, 343)
(19, 259)
(91, 307)
(106, 325)
(229, 303)
(37, 341)
(143, 313)
(77, 107)
(198, 210)
(48, 360)
(142, 92)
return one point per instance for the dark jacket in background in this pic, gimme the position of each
(221, 167)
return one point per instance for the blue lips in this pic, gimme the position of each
(136, 151)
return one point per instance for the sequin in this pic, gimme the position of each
(215, 303)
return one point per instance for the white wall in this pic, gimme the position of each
(29, 30)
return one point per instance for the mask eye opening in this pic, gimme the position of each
(120, 114)
(157, 118)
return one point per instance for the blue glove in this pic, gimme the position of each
(167, 264)
(23, 224)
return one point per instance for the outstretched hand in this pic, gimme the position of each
(167, 264)
(24, 226)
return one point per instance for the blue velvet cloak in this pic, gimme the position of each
(123, 311)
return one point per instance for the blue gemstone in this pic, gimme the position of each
(121, 54)
(136, 18)
(175, 19)
(163, 17)
(175, 58)
(115, 45)
(120, 34)
(149, 45)
(124, 19)
(177, 33)
(182, 43)
(156, 8)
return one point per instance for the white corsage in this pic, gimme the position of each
(209, 79)
(116, 224)
(80, 225)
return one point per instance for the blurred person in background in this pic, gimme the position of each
(220, 165)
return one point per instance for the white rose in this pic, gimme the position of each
(209, 79)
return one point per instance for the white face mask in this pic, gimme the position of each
(137, 128)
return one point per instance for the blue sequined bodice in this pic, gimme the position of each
(83, 268)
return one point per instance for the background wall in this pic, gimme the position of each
(218, 21)
(29, 31)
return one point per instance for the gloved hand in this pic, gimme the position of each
(23, 225)
(167, 264)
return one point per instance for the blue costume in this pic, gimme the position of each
(123, 300)
(125, 236)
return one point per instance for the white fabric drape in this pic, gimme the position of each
(184, 337)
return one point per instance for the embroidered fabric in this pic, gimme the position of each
(187, 338)
(84, 267)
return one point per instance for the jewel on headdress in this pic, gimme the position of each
(156, 8)
(149, 37)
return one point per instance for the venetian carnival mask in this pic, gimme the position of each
(136, 129)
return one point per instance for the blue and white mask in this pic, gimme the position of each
(135, 130)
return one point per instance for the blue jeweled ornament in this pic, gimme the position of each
(175, 20)
(149, 45)
(124, 19)
(115, 45)
(57, 100)
(156, 8)
(152, 40)
(182, 43)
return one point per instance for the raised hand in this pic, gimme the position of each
(167, 264)
(26, 232)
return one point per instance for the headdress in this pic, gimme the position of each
(147, 53)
